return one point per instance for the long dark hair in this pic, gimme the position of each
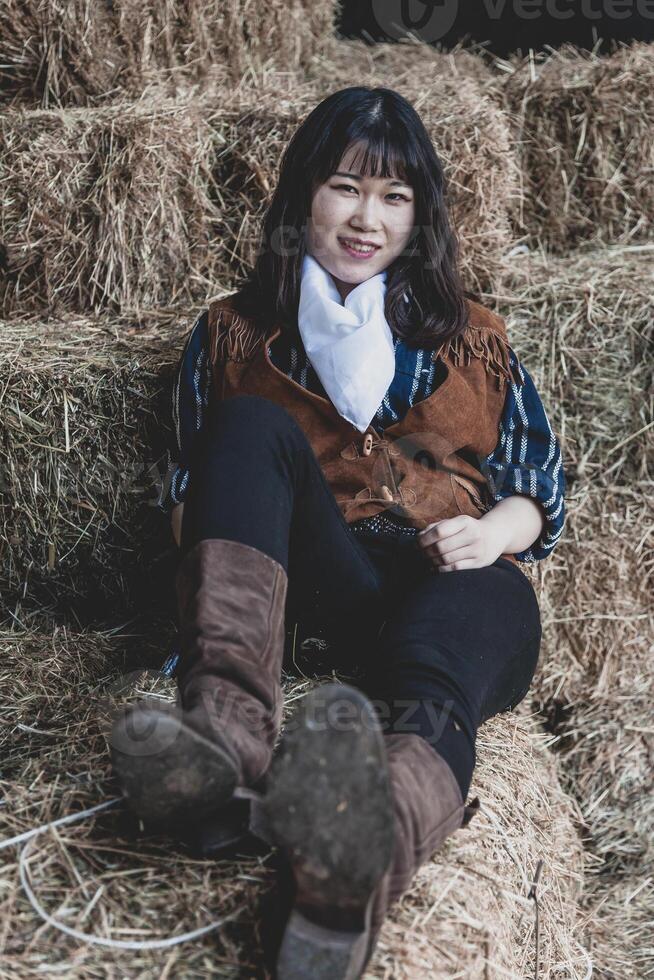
(425, 299)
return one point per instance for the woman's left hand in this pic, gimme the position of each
(461, 542)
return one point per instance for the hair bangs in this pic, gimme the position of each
(377, 152)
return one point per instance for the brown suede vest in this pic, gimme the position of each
(425, 467)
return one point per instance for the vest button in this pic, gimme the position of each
(367, 444)
(386, 492)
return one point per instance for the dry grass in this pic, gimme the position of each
(72, 53)
(583, 326)
(596, 685)
(587, 158)
(621, 916)
(112, 208)
(467, 912)
(83, 405)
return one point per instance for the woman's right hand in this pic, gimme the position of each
(176, 523)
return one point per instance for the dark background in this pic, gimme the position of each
(503, 28)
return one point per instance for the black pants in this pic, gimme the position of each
(442, 651)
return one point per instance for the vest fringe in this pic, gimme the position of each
(485, 344)
(233, 337)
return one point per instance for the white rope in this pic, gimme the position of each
(86, 937)
(71, 818)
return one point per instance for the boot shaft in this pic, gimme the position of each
(232, 600)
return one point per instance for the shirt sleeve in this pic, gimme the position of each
(527, 460)
(190, 403)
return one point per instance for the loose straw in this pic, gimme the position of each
(27, 839)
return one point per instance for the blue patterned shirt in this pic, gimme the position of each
(526, 460)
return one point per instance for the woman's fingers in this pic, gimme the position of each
(441, 530)
(466, 551)
(453, 543)
(459, 565)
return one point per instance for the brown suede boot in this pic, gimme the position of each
(178, 765)
(357, 813)
(428, 807)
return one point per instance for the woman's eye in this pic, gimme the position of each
(349, 187)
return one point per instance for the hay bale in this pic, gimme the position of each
(72, 53)
(596, 687)
(111, 208)
(85, 415)
(467, 913)
(621, 915)
(337, 58)
(584, 130)
(583, 326)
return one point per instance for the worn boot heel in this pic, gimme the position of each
(329, 806)
(168, 772)
(312, 950)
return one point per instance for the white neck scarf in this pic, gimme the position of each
(350, 345)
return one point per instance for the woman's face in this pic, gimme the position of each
(351, 207)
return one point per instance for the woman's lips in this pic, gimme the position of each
(354, 253)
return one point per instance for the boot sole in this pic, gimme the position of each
(179, 775)
(330, 808)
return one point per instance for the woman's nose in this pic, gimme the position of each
(366, 213)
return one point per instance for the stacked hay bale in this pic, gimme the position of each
(85, 416)
(110, 208)
(584, 127)
(584, 130)
(583, 325)
(469, 912)
(72, 53)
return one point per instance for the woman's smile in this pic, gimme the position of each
(357, 249)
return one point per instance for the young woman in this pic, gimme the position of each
(355, 440)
